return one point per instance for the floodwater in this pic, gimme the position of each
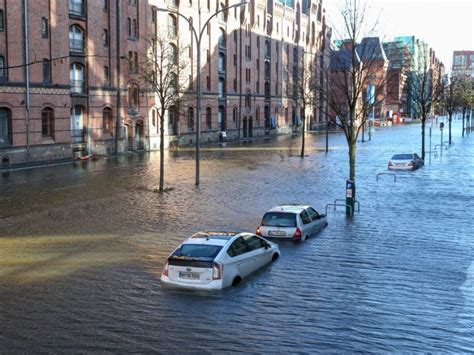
(82, 247)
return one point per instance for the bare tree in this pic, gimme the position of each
(304, 88)
(163, 73)
(357, 79)
(450, 100)
(426, 90)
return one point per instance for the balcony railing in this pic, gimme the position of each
(76, 45)
(77, 86)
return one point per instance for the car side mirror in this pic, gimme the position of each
(267, 246)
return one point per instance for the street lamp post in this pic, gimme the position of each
(198, 38)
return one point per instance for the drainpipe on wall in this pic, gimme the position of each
(26, 58)
(119, 95)
(240, 79)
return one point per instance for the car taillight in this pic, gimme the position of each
(166, 269)
(217, 271)
(297, 233)
(258, 231)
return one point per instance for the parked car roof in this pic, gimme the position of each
(289, 208)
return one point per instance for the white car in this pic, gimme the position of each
(215, 260)
(405, 162)
(293, 222)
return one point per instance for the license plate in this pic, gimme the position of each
(189, 275)
(276, 233)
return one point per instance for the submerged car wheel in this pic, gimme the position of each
(275, 257)
(236, 281)
(303, 238)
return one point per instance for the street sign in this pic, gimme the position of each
(441, 125)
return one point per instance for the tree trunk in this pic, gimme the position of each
(352, 159)
(449, 121)
(162, 151)
(423, 120)
(463, 117)
(302, 138)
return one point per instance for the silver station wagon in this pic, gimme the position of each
(292, 222)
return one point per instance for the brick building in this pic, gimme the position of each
(70, 83)
(463, 63)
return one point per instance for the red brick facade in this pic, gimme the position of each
(63, 61)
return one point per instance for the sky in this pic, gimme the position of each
(446, 25)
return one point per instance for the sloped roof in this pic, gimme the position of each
(342, 59)
(371, 49)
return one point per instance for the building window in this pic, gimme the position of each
(133, 97)
(135, 60)
(105, 38)
(172, 26)
(174, 54)
(222, 15)
(267, 49)
(190, 119)
(209, 118)
(47, 122)
(3, 72)
(5, 127)
(234, 115)
(76, 75)
(221, 88)
(107, 120)
(129, 27)
(154, 121)
(257, 116)
(106, 75)
(221, 64)
(76, 7)
(46, 71)
(2, 21)
(77, 124)
(44, 27)
(222, 39)
(105, 5)
(174, 3)
(130, 62)
(135, 29)
(76, 39)
(221, 119)
(248, 100)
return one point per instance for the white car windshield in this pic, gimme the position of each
(279, 219)
(198, 250)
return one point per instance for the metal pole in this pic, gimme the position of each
(430, 143)
(119, 95)
(327, 135)
(441, 147)
(27, 77)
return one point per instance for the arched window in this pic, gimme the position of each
(221, 63)
(47, 122)
(76, 76)
(223, 14)
(209, 118)
(76, 7)
(221, 38)
(76, 39)
(172, 26)
(135, 29)
(5, 127)
(107, 120)
(190, 119)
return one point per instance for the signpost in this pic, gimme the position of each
(441, 126)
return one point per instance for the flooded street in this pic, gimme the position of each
(82, 248)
